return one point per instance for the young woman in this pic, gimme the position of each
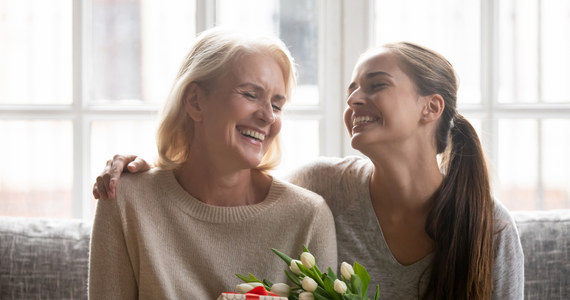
(423, 229)
(210, 210)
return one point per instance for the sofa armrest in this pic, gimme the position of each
(545, 239)
(43, 258)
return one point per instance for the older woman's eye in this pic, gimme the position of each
(276, 107)
(249, 95)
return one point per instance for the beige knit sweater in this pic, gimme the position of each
(158, 242)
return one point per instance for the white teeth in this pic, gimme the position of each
(253, 134)
(362, 119)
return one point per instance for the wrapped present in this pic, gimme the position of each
(247, 296)
(258, 293)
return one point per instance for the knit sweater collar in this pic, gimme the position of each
(215, 214)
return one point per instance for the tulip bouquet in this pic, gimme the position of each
(310, 283)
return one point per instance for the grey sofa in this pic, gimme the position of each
(47, 259)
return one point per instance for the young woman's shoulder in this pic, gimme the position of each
(503, 218)
(507, 240)
(338, 180)
(326, 170)
(508, 271)
(298, 196)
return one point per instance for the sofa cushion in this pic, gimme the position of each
(48, 258)
(545, 239)
(43, 258)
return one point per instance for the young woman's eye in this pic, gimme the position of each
(378, 85)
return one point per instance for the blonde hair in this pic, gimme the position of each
(213, 53)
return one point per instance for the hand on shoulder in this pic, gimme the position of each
(106, 183)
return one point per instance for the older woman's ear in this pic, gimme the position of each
(192, 103)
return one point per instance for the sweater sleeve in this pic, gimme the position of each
(322, 243)
(110, 272)
(508, 271)
(324, 177)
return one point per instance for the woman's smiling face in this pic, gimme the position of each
(383, 106)
(242, 112)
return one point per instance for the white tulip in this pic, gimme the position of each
(294, 267)
(244, 287)
(281, 289)
(308, 260)
(339, 286)
(346, 270)
(306, 296)
(309, 284)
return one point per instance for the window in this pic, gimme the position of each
(296, 22)
(81, 80)
(513, 61)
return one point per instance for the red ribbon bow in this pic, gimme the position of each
(254, 293)
(259, 291)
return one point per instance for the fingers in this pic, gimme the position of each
(96, 193)
(116, 168)
(138, 165)
(113, 172)
(99, 189)
(106, 182)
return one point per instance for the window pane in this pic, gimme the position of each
(35, 52)
(517, 164)
(37, 168)
(555, 49)
(264, 19)
(138, 46)
(556, 163)
(294, 21)
(448, 26)
(121, 137)
(533, 54)
(518, 65)
(299, 144)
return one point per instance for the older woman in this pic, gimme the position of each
(423, 230)
(182, 230)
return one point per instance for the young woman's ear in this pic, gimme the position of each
(433, 108)
(192, 103)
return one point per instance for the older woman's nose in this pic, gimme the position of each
(266, 113)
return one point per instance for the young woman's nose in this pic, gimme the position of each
(355, 98)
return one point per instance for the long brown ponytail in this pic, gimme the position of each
(461, 219)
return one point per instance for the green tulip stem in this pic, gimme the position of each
(317, 274)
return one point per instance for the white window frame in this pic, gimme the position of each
(490, 111)
(328, 112)
(345, 30)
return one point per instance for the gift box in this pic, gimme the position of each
(258, 293)
(247, 296)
